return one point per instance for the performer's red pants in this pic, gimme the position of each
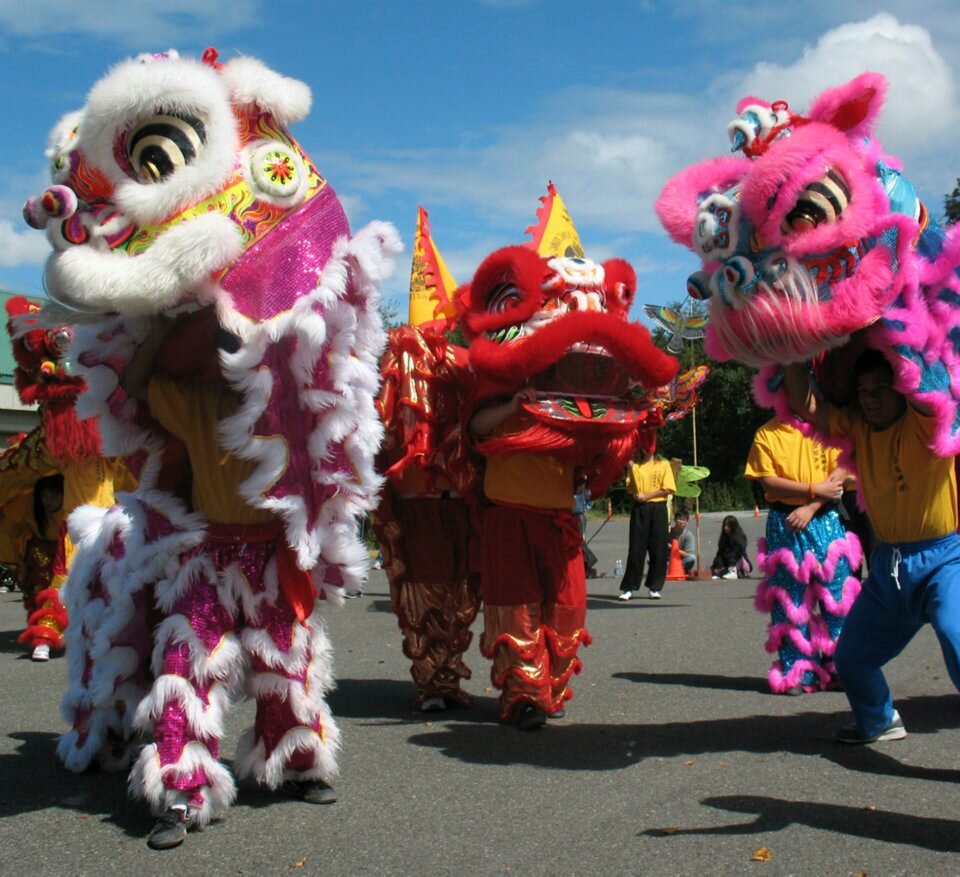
(535, 604)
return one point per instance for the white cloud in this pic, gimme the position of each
(164, 24)
(921, 108)
(610, 150)
(20, 248)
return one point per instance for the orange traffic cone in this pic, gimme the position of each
(756, 511)
(675, 572)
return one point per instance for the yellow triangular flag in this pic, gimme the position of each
(554, 234)
(431, 285)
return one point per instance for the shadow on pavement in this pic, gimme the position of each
(565, 745)
(774, 814)
(374, 605)
(33, 779)
(601, 601)
(694, 680)
(9, 644)
(392, 701)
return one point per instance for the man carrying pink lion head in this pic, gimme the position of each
(818, 254)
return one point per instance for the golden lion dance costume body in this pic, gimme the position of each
(178, 188)
(426, 521)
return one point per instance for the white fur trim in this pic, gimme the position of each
(97, 632)
(339, 320)
(134, 91)
(146, 781)
(225, 664)
(60, 143)
(251, 759)
(306, 697)
(180, 261)
(252, 84)
(204, 719)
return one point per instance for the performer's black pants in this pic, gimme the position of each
(648, 537)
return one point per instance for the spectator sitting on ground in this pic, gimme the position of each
(731, 561)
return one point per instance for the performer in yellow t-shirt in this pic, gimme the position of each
(807, 558)
(239, 614)
(649, 481)
(911, 499)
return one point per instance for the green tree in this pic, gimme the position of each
(390, 315)
(951, 205)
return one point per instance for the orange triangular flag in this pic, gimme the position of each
(554, 234)
(431, 286)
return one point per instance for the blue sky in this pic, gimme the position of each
(470, 106)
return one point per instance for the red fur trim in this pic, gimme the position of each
(630, 343)
(49, 610)
(68, 438)
(620, 285)
(40, 634)
(511, 265)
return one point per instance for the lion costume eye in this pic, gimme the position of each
(820, 202)
(502, 297)
(623, 293)
(163, 144)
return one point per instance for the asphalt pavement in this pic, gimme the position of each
(674, 759)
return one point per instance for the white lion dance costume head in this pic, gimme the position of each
(178, 191)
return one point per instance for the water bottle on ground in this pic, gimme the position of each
(618, 567)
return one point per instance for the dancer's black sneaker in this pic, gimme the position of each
(894, 731)
(169, 830)
(310, 791)
(529, 718)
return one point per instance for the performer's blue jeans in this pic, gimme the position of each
(910, 584)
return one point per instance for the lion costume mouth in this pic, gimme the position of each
(580, 354)
(585, 386)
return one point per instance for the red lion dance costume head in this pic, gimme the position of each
(560, 324)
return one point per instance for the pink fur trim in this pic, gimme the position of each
(853, 106)
(809, 571)
(678, 202)
(851, 589)
(780, 683)
(778, 634)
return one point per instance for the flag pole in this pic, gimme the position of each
(696, 499)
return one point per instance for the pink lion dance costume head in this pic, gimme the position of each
(812, 239)
(178, 191)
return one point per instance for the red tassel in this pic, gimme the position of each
(296, 584)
